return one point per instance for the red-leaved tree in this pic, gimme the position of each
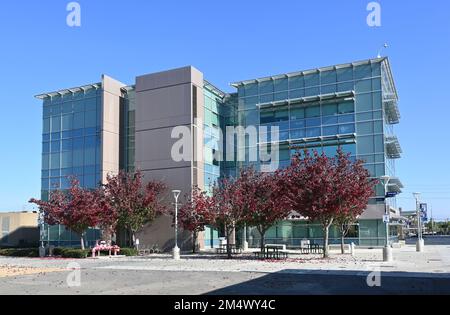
(310, 187)
(354, 187)
(264, 202)
(196, 214)
(227, 206)
(134, 203)
(77, 209)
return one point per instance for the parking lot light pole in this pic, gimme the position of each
(176, 249)
(387, 249)
(420, 242)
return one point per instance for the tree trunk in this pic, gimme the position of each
(194, 242)
(82, 242)
(228, 232)
(342, 242)
(262, 240)
(326, 233)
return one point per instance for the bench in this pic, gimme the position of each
(279, 246)
(234, 249)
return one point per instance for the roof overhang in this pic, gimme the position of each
(321, 69)
(73, 90)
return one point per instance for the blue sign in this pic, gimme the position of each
(424, 212)
(391, 194)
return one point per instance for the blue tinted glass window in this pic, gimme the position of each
(346, 118)
(266, 87)
(343, 129)
(78, 143)
(298, 134)
(313, 132)
(266, 98)
(296, 82)
(329, 120)
(280, 85)
(297, 93)
(297, 124)
(46, 147)
(311, 79)
(345, 74)
(56, 124)
(281, 96)
(55, 146)
(328, 77)
(312, 122)
(363, 71)
(67, 145)
(331, 130)
(312, 91)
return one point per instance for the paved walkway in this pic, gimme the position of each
(411, 272)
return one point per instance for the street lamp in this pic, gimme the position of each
(420, 242)
(387, 250)
(176, 250)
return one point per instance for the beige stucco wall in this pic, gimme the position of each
(23, 226)
(164, 101)
(110, 126)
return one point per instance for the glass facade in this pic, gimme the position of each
(323, 109)
(71, 147)
(71, 140)
(127, 129)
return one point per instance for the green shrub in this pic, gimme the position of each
(20, 252)
(128, 252)
(74, 253)
(58, 251)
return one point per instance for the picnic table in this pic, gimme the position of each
(273, 252)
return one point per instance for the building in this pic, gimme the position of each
(19, 229)
(96, 129)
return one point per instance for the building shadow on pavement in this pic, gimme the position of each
(345, 282)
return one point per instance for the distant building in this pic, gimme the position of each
(19, 229)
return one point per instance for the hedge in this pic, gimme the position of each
(20, 252)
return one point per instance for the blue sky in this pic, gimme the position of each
(228, 41)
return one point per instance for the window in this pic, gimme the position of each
(296, 82)
(346, 107)
(67, 122)
(312, 111)
(194, 101)
(280, 85)
(78, 120)
(266, 87)
(311, 79)
(56, 124)
(296, 93)
(328, 77)
(330, 131)
(330, 109)
(46, 125)
(297, 113)
(345, 74)
(363, 72)
(251, 89)
(364, 102)
(313, 132)
(344, 129)
(363, 86)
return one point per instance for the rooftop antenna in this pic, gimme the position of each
(379, 51)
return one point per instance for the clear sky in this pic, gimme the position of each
(228, 41)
